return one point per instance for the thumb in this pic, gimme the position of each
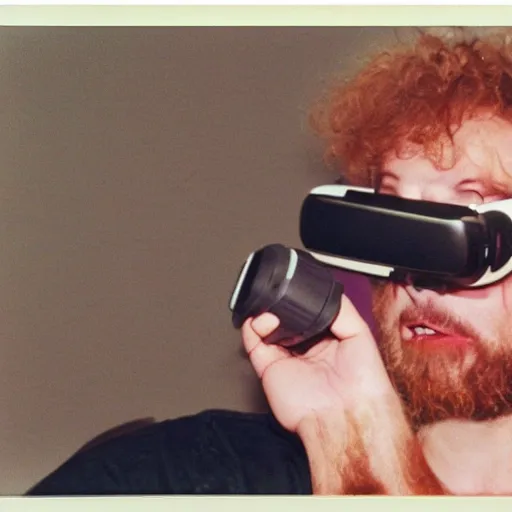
(265, 324)
(349, 323)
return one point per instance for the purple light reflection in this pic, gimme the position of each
(358, 290)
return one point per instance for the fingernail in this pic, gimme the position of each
(265, 323)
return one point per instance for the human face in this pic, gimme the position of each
(461, 367)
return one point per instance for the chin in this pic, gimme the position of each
(464, 384)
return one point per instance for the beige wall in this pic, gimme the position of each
(138, 168)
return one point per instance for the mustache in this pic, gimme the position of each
(431, 313)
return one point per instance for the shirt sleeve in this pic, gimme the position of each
(213, 452)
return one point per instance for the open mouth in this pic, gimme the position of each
(432, 335)
(422, 330)
(412, 331)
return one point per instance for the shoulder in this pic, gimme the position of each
(212, 452)
(251, 450)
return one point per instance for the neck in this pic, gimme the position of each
(469, 457)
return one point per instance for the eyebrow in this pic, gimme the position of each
(472, 181)
(387, 174)
(490, 186)
(382, 175)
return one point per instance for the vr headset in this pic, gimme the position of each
(425, 244)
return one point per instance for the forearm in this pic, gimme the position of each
(338, 462)
(368, 450)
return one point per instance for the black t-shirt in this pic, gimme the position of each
(213, 452)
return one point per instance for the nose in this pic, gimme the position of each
(419, 294)
(416, 291)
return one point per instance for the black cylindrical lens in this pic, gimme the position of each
(292, 285)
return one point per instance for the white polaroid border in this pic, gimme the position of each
(232, 13)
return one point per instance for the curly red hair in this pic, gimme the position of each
(418, 95)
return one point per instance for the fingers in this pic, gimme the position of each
(261, 354)
(348, 324)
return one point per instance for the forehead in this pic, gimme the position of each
(481, 150)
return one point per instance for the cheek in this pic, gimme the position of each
(488, 309)
(506, 292)
(496, 298)
(385, 302)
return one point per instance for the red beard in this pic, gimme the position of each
(449, 382)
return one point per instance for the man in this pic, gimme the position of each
(425, 407)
